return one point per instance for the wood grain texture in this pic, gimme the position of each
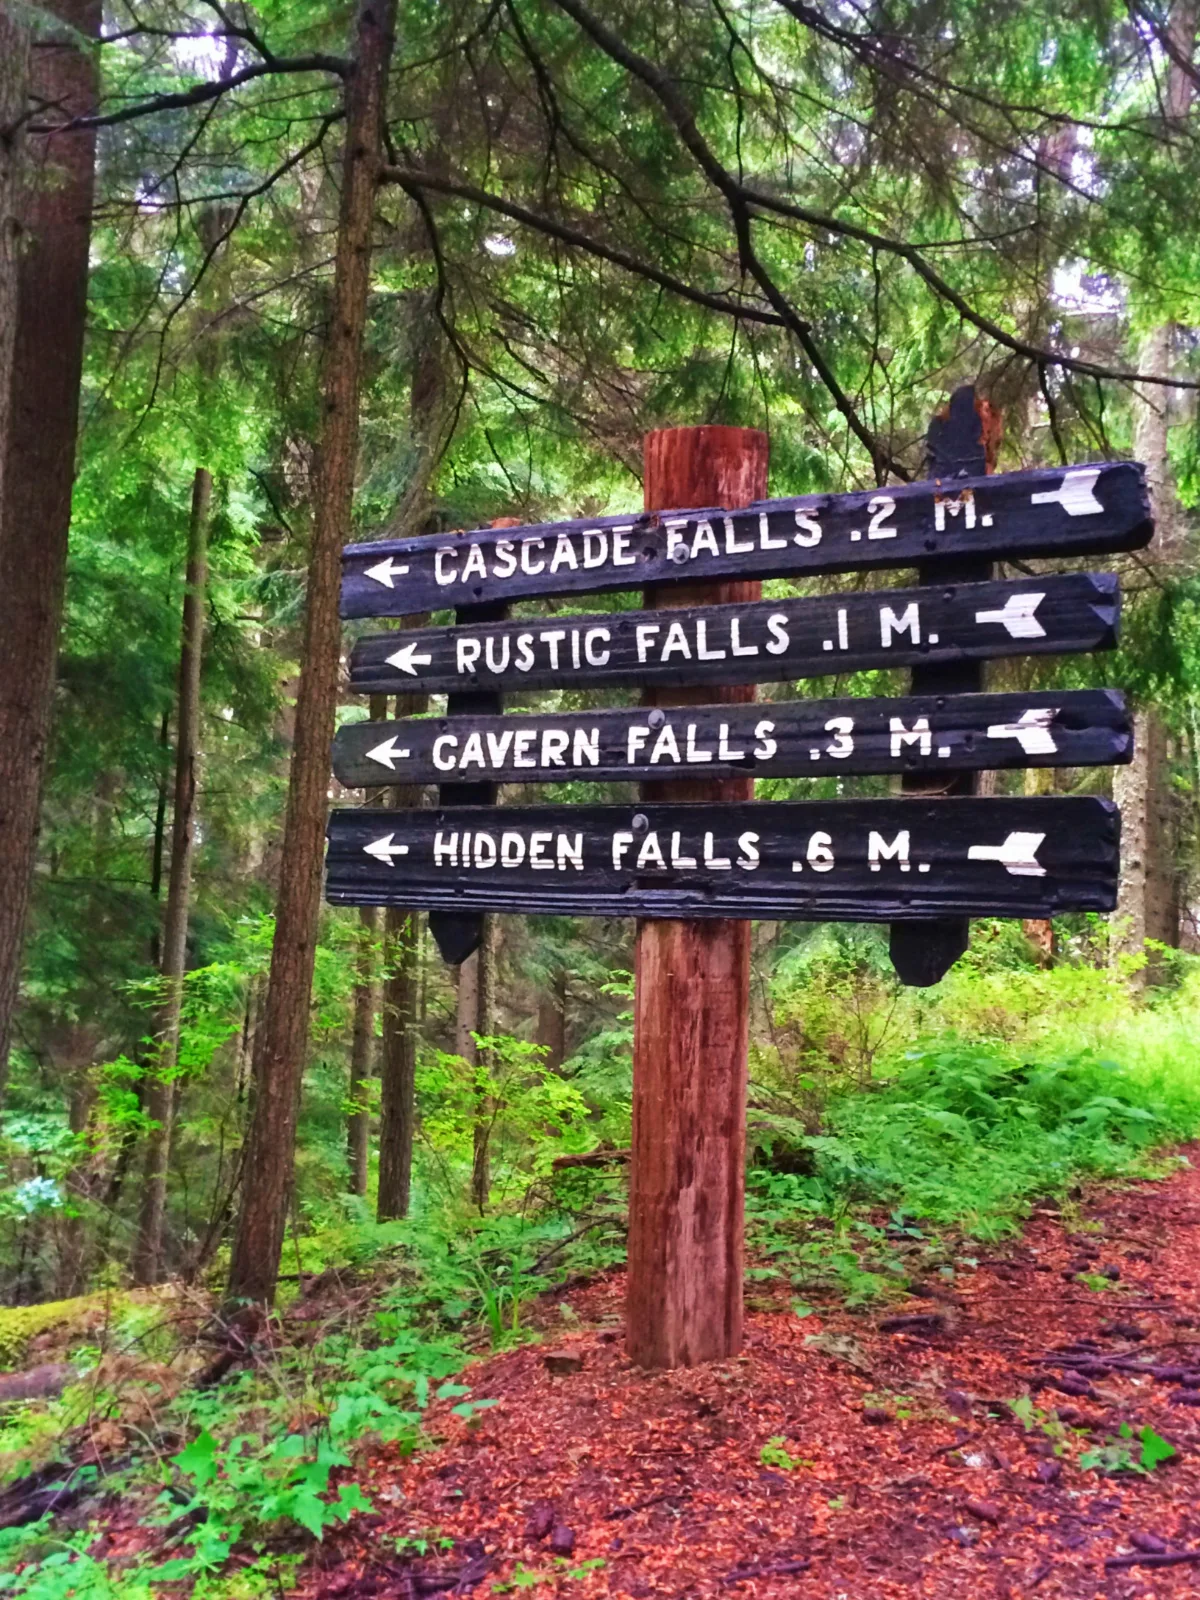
(928, 523)
(934, 734)
(808, 861)
(750, 641)
(691, 1002)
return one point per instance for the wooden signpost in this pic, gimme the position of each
(778, 739)
(759, 642)
(812, 861)
(1086, 510)
(696, 858)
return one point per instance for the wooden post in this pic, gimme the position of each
(687, 1174)
(963, 439)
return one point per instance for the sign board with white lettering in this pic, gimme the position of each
(805, 738)
(759, 642)
(841, 860)
(1086, 510)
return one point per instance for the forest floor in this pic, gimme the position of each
(844, 1455)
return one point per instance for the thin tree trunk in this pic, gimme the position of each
(1148, 903)
(160, 1095)
(283, 1037)
(367, 995)
(39, 460)
(552, 1019)
(484, 1025)
(397, 1097)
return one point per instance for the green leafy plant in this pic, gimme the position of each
(776, 1454)
(1128, 1452)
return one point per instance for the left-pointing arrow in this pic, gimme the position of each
(384, 571)
(407, 660)
(384, 850)
(387, 754)
(1031, 730)
(1018, 854)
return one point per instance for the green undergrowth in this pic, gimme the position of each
(892, 1128)
(231, 1481)
(891, 1133)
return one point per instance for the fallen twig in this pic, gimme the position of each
(1171, 1558)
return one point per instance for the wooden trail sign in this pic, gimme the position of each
(1083, 510)
(807, 738)
(759, 642)
(839, 860)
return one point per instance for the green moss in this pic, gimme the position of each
(20, 1324)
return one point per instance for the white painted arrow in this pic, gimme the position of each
(387, 754)
(1017, 616)
(406, 659)
(1076, 494)
(1018, 854)
(1032, 728)
(383, 850)
(384, 571)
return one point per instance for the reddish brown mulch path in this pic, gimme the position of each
(913, 1477)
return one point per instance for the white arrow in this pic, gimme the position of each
(1017, 616)
(1076, 494)
(406, 659)
(383, 849)
(387, 754)
(1018, 854)
(384, 571)
(1032, 729)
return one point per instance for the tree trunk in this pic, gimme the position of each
(1148, 902)
(397, 1100)
(160, 1095)
(691, 1007)
(39, 460)
(14, 94)
(484, 1025)
(367, 997)
(283, 1036)
(552, 1019)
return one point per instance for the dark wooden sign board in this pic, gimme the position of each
(760, 642)
(1081, 510)
(840, 860)
(805, 738)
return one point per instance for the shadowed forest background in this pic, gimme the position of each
(277, 277)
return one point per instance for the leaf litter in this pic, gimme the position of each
(841, 1456)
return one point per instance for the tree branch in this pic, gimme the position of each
(740, 194)
(412, 178)
(200, 95)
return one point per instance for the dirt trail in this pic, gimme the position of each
(910, 1476)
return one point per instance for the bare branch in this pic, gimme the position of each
(201, 94)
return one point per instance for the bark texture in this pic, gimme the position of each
(368, 995)
(552, 1019)
(1149, 899)
(55, 211)
(478, 1016)
(397, 1103)
(283, 1036)
(14, 94)
(691, 1007)
(368, 999)
(160, 1094)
